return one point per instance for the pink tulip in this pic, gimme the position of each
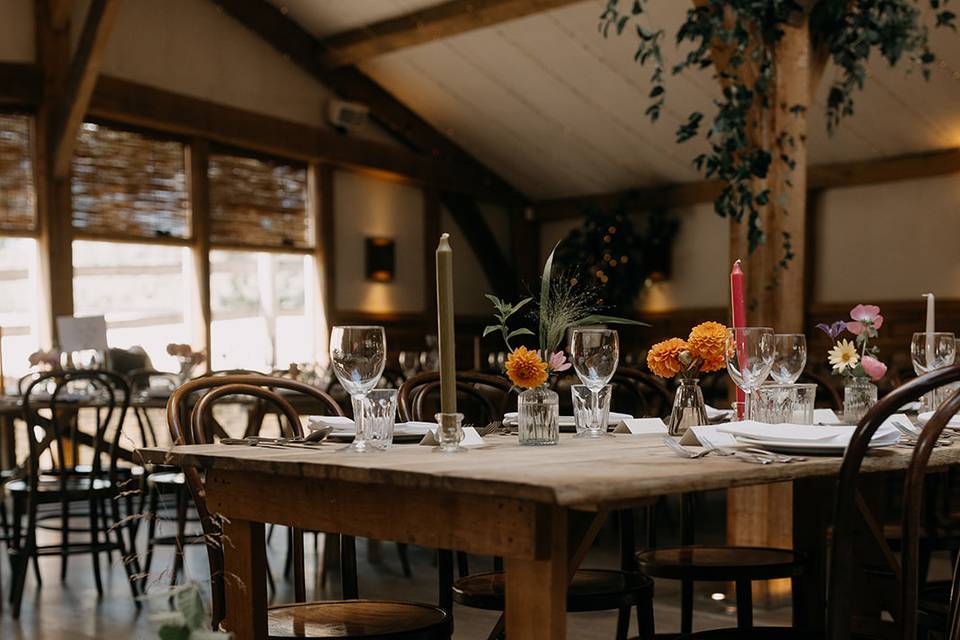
(558, 361)
(874, 368)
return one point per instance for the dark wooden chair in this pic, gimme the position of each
(189, 424)
(853, 518)
(62, 490)
(483, 398)
(832, 398)
(640, 394)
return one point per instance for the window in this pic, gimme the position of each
(143, 290)
(129, 185)
(19, 313)
(258, 203)
(17, 205)
(263, 307)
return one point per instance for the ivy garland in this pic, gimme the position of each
(844, 31)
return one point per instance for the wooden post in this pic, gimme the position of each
(54, 211)
(320, 192)
(198, 156)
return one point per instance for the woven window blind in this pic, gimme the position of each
(17, 205)
(128, 184)
(257, 202)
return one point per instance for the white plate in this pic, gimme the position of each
(808, 448)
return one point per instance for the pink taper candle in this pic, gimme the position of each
(738, 310)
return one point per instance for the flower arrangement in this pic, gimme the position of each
(701, 352)
(562, 305)
(857, 359)
(189, 618)
(49, 360)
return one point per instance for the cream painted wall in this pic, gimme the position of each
(16, 31)
(365, 206)
(700, 261)
(890, 241)
(469, 282)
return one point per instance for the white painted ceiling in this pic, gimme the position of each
(557, 110)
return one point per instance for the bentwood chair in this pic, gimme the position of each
(349, 618)
(482, 398)
(67, 489)
(640, 394)
(853, 519)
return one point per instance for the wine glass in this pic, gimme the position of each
(929, 352)
(409, 361)
(358, 355)
(789, 357)
(749, 355)
(595, 353)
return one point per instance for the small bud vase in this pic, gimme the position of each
(859, 395)
(689, 409)
(538, 416)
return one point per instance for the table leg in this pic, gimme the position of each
(244, 566)
(8, 444)
(537, 588)
(812, 506)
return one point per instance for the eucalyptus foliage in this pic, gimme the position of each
(845, 32)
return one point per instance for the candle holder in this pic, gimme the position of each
(450, 432)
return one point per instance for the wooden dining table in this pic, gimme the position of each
(538, 507)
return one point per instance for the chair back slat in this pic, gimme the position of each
(488, 396)
(640, 394)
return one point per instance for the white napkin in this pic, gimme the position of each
(708, 437)
(510, 419)
(825, 416)
(911, 406)
(924, 418)
(337, 423)
(838, 435)
(471, 438)
(715, 414)
(639, 426)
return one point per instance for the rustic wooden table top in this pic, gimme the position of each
(576, 473)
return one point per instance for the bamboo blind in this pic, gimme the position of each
(17, 204)
(128, 184)
(256, 202)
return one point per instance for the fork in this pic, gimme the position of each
(682, 451)
(912, 435)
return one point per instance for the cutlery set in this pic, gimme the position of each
(752, 455)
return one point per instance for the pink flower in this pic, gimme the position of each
(558, 362)
(865, 316)
(874, 368)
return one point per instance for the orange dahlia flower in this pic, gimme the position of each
(707, 342)
(525, 368)
(664, 357)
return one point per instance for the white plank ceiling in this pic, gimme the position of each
(557, 110)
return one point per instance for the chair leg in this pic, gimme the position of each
(623, 623)
(404, 553)
(744, 604)
(686, 606)
(95, 542)
(645, 623)
(152, 509)
(20, 566)
(181, 533)
(64, 537)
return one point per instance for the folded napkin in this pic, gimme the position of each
(715, 414)
(838, 435)
(641, 426)
(510, 419)
(707, 436)
(341, 425)
(825, 416)
(924, 418)
(471, 437)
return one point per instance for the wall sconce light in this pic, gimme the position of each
(380, 259)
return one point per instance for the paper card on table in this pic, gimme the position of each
(825, 416)
(77, 334)
(707, 437)
(637, 426)
(471, 438)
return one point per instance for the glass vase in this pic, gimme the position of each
(538, 417)
(858, 396)
(689, 409)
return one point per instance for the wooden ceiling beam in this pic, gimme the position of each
(300, 47)
(468, 217)
(60, 13)
(426, 25)
(81, 81)
(823, 176)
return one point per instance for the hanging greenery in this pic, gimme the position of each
(745, 33)
(620, 253)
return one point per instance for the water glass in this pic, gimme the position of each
(930, 352)
(379, 409)
(591, 411)
(449, 432)
(780, 403)
(789, 357)
(357, 356)
(749, 355)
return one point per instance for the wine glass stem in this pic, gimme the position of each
(357, 401)
(594, 410)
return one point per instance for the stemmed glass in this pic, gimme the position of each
(358, 355)
(749, 355)
(929, 352)
(789, 357)
(595, 353)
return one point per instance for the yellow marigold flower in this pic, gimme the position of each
(525, 368)
(664, 357)
(707, 342)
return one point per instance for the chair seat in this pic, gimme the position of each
(698, 562)
(49, 487)
(590, 590)
(357, 619)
